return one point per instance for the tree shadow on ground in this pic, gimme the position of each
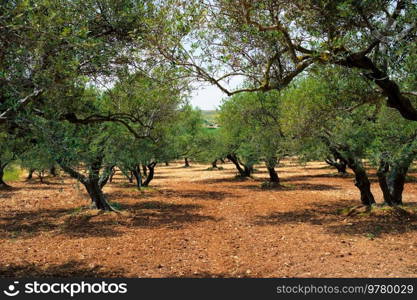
(236, 179)
(197, 194)
(288, 187)
(190, 167)
(145, 214)
(25, 224)
(312, 176)
(84, 223)
(317, 214)
(124, 180)
(45, 187)
(69, 222)
(46, 181)
(373, 224)
(85, 226)
(156, 214)
(150, 192)
(133, 193)
(257, 184)
(389, 221)
(280, 172)
(6, 194)
(71, 268)
(163, 177)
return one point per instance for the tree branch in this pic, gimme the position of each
(21, 103)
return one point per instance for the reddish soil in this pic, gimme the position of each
(199, 223)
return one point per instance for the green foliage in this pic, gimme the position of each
(188, 135)
(92, 84)
(54, 46)
(395, 139)
(250, 127)
(12, 173)
(317, 109)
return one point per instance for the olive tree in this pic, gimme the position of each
(272, 42)
(251, 132)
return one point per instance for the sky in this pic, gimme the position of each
(209, 97)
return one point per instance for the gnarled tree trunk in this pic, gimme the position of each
(361, 177)
(391, 178)
(214, 164)
(243, 172)
(338, 162)
(361, 181)
(273, 175)
(234, 160)
(151, 173)
(93, 183)
(40, 175)
(3, 185)
(112, 173)
(52, 171)
(138, 176)
(96, 194)
(30, 174)
(186, 162)
(395, 98)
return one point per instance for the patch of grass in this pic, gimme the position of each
(143, 189)
(370, 235)
(288, 186)
(77, 210)
(116, 205)
(270, 185)
(409, 207)
(148, 188)
(12, 173)
(343, 211)
(375, 233)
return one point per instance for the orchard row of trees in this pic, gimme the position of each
(152, 124)
(319, 117)
(92, 85)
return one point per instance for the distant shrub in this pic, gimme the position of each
(12, 173)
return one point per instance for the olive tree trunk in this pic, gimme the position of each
(338, 162)
(138, 176)
(94, 189)
(214, 164)
(271, 163)
(93, 182)
(355, 164)
(361, 180)
(391, 178)
(246, 171)
(112, 173)
(30, 174)
(53, 171)
(3, 185)
(151, 173)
